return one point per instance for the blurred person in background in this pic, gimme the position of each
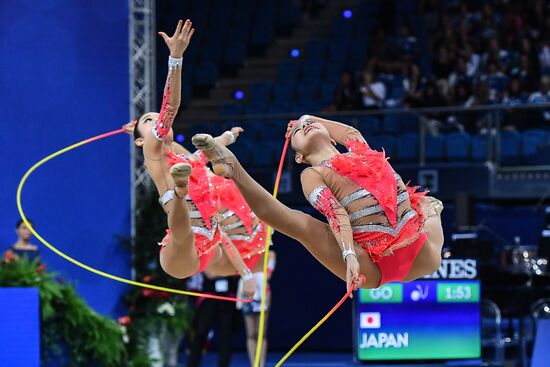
(22, 247)
(251, 312)
(443, 66)
(347, 93)
(411, 85)
(213, 314)
(373, 91)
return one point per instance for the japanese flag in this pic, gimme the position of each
(369, 320)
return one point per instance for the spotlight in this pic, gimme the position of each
(347, 13)
(180, 138)
(239, 94)
(295, 53)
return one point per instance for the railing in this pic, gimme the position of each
(495, 134)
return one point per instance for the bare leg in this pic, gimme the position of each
(315, 235)
(429, 257)
(252, 322)
(179, 258)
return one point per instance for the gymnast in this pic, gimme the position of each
(192, 241)
(377, 225)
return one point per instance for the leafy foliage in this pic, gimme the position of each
(66, 322)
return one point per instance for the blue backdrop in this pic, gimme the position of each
(64, 78)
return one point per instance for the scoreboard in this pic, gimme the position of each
(435, 318)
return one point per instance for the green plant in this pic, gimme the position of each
(65, 319)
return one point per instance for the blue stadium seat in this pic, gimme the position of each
(342, 29)
(392, 123)
(338, 52)
(316, 49)
(357, 57)
(251, 129)
(230, 109)
(434, 148)
(327, 93)
(397, 92)
(369, 125)
(458, 146)
(268, 129)
(206, 74)
(333, 70)
(312, 71)
(255, 108)
(304, 107)
(283, 91)
(263, 154)
(410, 123)
(279, 107)
(289, 15)
(212, 53)
(243, 150)
(479, 148)
(497, 82)
(369, 8)
(259, 91)
(510, 143)
(262, 34)
(234, 53)
(532, 142)
(407, 148)
(307, 92)
(188, 73)
(383, 142)
(288, 70)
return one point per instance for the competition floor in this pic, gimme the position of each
(318, 360)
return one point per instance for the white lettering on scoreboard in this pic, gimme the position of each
(455, 269)
(383, 340)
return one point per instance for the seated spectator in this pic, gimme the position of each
(22, 247)
(443, 65)
(514, 95)
(544, 58)
(495, 54)
(373, 91)
(460, 74)
(461, 92)
(411, 86)
(526, 72)
(481, 96)
(347, 93)
(472, 60)
(541, 96)
(407, 41)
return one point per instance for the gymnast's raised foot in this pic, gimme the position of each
(180, 174)
(223, 161)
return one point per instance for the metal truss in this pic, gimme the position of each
(142, 87)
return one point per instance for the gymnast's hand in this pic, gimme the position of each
(129, 127)
(289, 128)
(177, 44)
(249, 287)
(236, 131)
(352, 274)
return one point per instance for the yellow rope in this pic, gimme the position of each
(261, 326)
(76, 262)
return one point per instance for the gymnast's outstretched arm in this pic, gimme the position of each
(172, 90)
(321, 198)
(338, 131)
(249, 281)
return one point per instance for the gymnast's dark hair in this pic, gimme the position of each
(137, 134)
(20, 221)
